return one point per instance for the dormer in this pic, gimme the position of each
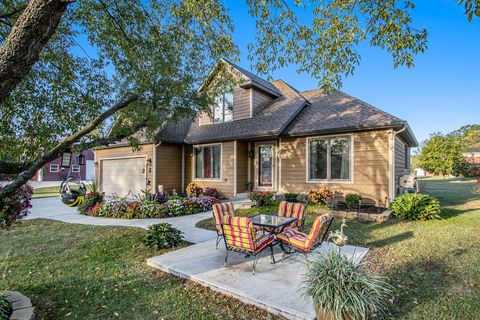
(245, 100)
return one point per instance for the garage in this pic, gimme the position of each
(123, 176)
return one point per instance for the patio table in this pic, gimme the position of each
(273, 223)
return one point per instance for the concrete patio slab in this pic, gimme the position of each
(274, 287)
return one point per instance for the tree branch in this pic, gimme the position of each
(65, 144)
(29, 35)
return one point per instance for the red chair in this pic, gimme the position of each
(303, 242)
(221, 210)
(240, 236)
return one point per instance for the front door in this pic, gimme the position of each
(265, 166)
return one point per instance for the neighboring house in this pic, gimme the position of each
(54, 172)
(472, 155)
(273, 137)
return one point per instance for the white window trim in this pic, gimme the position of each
(54, 165)
(221, 161)
(75, 168)
(273, 144)
(330, 181)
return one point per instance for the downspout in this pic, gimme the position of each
(154, 167)
(393, 182)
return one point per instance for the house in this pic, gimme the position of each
(272, 137)
(472, 155)
(53, 171)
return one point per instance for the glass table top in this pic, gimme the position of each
(267, 220)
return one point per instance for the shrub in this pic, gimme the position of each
(340, 287)
(193, 190)
(320, 195)
(162, 236)
(262, 198)
(91, 200)
(416, 206)
(211, 192)
(291, 197)
(352, 200)
(16, 206)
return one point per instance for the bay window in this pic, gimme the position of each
(207, 161)
(329, 158)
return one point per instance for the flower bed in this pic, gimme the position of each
(142, 208)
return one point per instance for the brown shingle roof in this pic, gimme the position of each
(335, 112)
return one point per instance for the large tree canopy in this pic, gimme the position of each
(145, 60)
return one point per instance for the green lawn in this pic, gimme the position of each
(84, 272)
(45, 192)
(434, 264)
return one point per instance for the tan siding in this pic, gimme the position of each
(371, 167)
(400, 155)
(242, 166)
(122, 152)
(241, 103)
(169, 167)
(204, 118)
(259, 100)
(225, 185)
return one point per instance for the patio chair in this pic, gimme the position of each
(240, 236)
(303, 242)
(219, 211)
(292, 210)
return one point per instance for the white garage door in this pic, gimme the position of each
(125, 177)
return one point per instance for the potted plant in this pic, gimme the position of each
(341, 289)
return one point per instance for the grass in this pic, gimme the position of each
(85, 272)
(435, 265)
(5, 309)
(45, 192)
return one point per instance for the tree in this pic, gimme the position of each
(146, 59)
(442, 155)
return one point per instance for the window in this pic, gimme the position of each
(223, 108)
(207, 161)
(75, 168)
(54, 167)
(329, 158)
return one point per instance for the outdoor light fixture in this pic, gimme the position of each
(66, 159)
(81, 160)
(251, 154)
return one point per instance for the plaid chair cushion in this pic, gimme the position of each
(239, 233)
(219, 211)
(292, 210)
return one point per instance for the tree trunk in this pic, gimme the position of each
(29, 35)
(65, 144)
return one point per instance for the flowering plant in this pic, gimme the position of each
(193, 190)
(320, 195)
(16, 206)
(211, 192)
(262, 198)
(91, 200)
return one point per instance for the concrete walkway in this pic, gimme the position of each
(54, 209)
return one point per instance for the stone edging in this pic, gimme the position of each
(375, 217)
(22, 308)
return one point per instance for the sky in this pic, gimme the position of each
(440, 94)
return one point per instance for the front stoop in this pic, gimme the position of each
(22, 308)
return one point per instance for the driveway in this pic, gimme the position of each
(54, 209)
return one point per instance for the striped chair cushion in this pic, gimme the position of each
(292, 210)
(239, 233)
(219, 211)
(294, 237)
(305, 241)
(262, 240)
